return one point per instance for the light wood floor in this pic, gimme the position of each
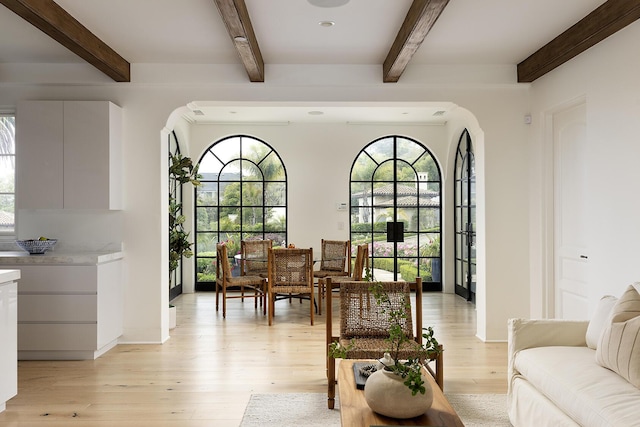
(205, 374)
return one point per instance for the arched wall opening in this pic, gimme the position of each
(313, 149)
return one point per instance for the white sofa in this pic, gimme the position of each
(555, 378)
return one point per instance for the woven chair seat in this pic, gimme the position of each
(249, 281)
(332, 273)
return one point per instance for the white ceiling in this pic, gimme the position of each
(476, 32)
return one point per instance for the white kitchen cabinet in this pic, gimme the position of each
(8, 335)
(69, 155)
(69, 312)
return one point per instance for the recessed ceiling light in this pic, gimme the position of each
(315, 113)
(328, 3)
(326, 23)
(240, 39)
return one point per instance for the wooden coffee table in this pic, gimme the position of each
(355, 412)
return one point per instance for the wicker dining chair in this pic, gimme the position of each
(364, 326)
(360, 266)
(224, 280)
(335, 258)
(254, 257)
(290, 276)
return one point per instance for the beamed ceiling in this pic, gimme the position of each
(394, 33)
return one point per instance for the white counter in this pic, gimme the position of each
(8, 335)
(58, 258)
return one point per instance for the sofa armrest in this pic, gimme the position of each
(529, 333)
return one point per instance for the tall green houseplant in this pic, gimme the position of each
(182, 170)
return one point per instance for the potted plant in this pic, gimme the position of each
(182, 170)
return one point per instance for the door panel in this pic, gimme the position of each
(570, 233)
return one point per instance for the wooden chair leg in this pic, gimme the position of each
(320, 297)
(331, 382)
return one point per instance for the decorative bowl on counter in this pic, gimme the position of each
(37, 247)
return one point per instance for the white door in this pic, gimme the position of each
(570, 234)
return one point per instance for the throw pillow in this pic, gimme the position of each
(619, 346)
(600, 320)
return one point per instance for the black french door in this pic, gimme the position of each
(465, 219)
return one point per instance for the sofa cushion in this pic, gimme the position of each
(619, 346)
(588, 393)
(600, 320)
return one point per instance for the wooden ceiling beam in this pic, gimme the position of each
(236, 18)
(605, 20)
(421, 17)
(49, 17)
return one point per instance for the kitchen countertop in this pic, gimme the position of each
(9, 276)
(58, 258)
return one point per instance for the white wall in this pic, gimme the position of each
(496, 107)
(607, 77)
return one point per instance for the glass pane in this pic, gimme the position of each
(231, 172)
(227, 149)
(275, 194)
(272, 168)
(406, 173)
(252, 193)
(230, 193)
(427, 165)
(409, 150)
(252, 219)
(229, 219)
(384, 172)
(361, 219)
(430, 245)
(430, 219)
(7, 209)
(207, 219)
(381, 150)
(250, 172)
(8, 134)
(276, 219)
(210, 167)
(409, 247)
(363, 168)
(206, 244)
(254, 150)
(383, 195)
(207, 194)
(410, 218)
(206, 269)
(7, 174)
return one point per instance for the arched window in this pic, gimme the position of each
(243, 196)
(395, 207)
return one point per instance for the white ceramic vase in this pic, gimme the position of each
(387, 395)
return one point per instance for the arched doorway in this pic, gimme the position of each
(395, 193)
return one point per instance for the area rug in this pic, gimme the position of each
(310, 409)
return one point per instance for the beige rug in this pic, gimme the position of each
(310, 410)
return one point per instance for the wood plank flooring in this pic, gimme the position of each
(205, 374)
